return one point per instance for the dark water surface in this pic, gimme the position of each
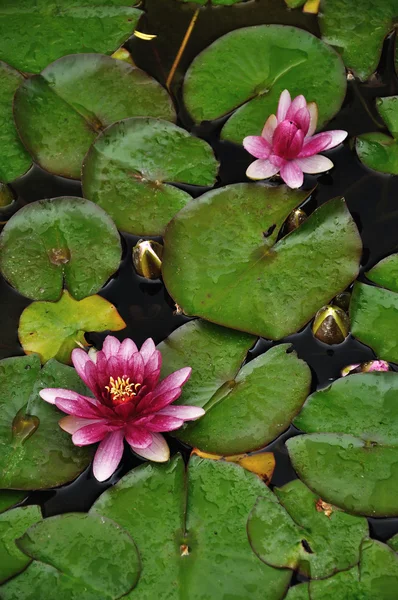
(145, 306)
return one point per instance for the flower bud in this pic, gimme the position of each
(331, 325)
(342, 300)
(295, 219)
(366, 367)
(147, 258)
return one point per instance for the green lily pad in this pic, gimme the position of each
(214, 2)
(6, 197)
(295, 534)
(374, 319)
(357, 29)
(34, 452)
(239, 276)
(76, 556)
(385, 273)
(54, 329)
(13, 524)
(190, 530)
(350, 457)
(393, 543)
(261, 62)
(299, 592)
(245, 408)
(34, 33)
(379, 151)
(14, 159)
(57, 242)
(129, 168)
(9, 498)
(376, 577)
(86, 93)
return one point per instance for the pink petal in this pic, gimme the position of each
(186, 413)
(314, 164)
(257, 146)
(70, 424)
(174, 380)
(50, 394)
(159, 423)
(147, 349)
(313, 110)
(108, 456)
(302, 119)
(92, 378)
(80, 359)
(283, 137)
(154, 364)
(276, 160)
(138, 437)
(322, 141)
(295, 145)
(283, 105)
(158, 451)
(292, 175)
(126, 350)
(90, 434)
(269, 128)
(151, 404)
(79, 408)
(110, 346)
(136, 368)
(261, 169)
(297, 104)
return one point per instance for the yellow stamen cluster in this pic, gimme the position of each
(121, 390)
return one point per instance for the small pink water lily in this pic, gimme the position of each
(288, 145)
(130, 403)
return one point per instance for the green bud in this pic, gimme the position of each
(295, 219)
(342, 300)
(331, 325)
(147, 259)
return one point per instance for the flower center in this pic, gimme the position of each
(121, 390)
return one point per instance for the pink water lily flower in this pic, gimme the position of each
(130, 403)
(288, 145)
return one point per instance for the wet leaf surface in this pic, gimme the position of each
(261, 62)
(33, 33)
(239, 276)
(9, 498)
(54, 329)
(385, 273)
(34, 452)
(374, 319)
(393, 543)
(63, 241)
(13, 524)
(86, 93)
(72, 559)
(191, 531)
(130, 167)
(379, 151)
(14, 159)
(295, 533)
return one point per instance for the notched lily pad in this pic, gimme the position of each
(34, 33)
(240, 276)
(85, 93)
(72, 559)
(261, 62)
(54, 329)
(350, 457)
(379, 151)
(63, 241)
(385, 273)
(190, 529)
(129, 169)
(34, 452)
(13, 524)
(14, 159)
(300, 533)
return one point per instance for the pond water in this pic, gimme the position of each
(145, 305)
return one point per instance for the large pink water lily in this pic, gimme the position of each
(130, 403)
(288, 145)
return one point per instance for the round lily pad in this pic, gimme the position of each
(379, 151)
(13, 524)
(350, 457)
(14, 159)
(190, 529)
(129, 168)
(240, 276)
(33, 33)
(246, 408)
(374, 319)
(296, 533)
(357, 29)
(9, 498)
(60, 112)
(75, 556)
(54, 329)
(57, 242)
(393, 543)
(251, 67)
(34, 451)
(385, 273)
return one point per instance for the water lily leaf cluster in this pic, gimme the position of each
(285, 58)
(54, 329)
(379, 151)
(246, 408)
(349, 455)
(241, 276)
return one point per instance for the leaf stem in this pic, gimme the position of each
(182, 48)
